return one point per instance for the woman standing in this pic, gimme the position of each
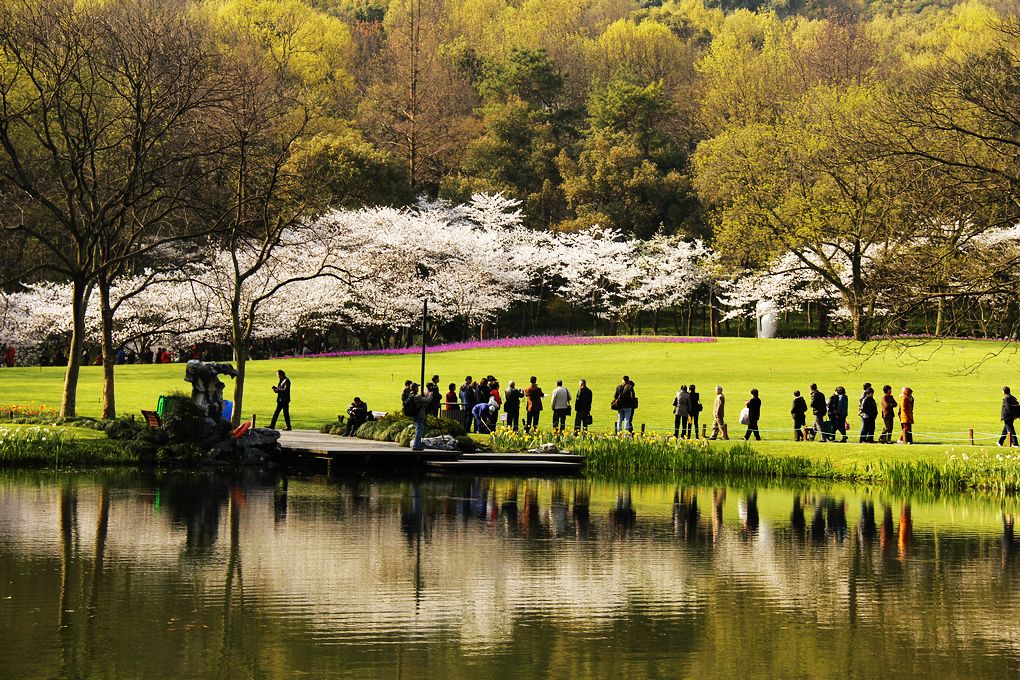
(907, 415)
(681, 414)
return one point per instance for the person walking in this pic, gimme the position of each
(681, 413)
(534, 394)
(869, 414)
(753, 415)
(907, 415)
(887, 409)
(582, 407)
(799, 413)
(417, 406)
(1010, 412)
(560, 402)
(818, 410)
(719, 415)
(696, 408)
(512, 406)
(282, 389)
(625, 401)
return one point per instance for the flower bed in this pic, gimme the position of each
(532, 341)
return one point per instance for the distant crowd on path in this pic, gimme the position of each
(477, 404)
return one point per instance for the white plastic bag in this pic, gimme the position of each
(745, 416)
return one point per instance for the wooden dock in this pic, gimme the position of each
(308, 448)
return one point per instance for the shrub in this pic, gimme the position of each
(123, 429)
(182, 453)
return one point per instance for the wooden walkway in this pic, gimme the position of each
(314, 449)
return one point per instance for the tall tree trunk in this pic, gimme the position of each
(79, 302)
(109, 356)
(240, 364)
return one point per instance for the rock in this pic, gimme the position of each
(546, 449)
(443, 443)
(259, 436)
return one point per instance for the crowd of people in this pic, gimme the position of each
(477, 403)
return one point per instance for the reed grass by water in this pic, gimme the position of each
(26, 447)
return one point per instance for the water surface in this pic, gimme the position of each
(126, 575)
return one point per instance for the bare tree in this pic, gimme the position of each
(100, 130)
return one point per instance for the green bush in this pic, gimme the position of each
(182, 453)
(123, 429)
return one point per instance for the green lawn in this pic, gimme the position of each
(949, 399)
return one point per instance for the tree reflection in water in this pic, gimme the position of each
(528, 586)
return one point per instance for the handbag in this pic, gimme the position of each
(615, 404)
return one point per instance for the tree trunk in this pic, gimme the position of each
(109, 356)
(79, 301)
(240, 363)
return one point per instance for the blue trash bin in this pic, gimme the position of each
(228, 409)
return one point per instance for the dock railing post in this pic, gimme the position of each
(971, 432)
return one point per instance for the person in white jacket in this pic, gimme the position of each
(560, 403)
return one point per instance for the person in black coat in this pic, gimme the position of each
(282, 389)
(695, 408)
(753, 415)
(818, 409)
(869, 416)
(357, 415)
(799, 413)
(512, 406)
(1010, 412)
(582, 407)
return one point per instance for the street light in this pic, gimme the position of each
(423, 274)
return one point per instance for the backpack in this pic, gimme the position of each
(410, 407)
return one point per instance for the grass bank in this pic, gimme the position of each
(662, 459)
(34, 446)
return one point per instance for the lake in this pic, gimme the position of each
(128, 575)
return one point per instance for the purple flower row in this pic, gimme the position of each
(532, 341)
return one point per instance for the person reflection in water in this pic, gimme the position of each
(867, 530)
(797, 521)
(1007, 537)
(582, 513)
(718, 501)
(885, 534)
(749, 515)
(623, 516)
(906, 536)
(685, 515)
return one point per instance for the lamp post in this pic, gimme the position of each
(423, 274)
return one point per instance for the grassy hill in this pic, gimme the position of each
(951, 394)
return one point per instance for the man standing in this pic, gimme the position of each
(888, 411)
(799, 413)
(625, 400)
(869, 413)
(719, 415)
(1010, 411)
(512, 406)
(533, 393)
(753, 415)
(560, 401)
(419, 406)
(282, 390)
(696, 408)
(467, 401)
(433, 389)
(582, 407)
(407, 391)
(818, 409)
